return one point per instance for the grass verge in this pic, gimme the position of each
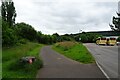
(75, 51)
(11, 66)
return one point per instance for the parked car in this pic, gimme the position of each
(118, 43)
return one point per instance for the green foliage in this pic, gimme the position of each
(21, 32)
(57, 37)
(26, 67)
(48, 39)
(84, 38)
(26, 31)
(11, 66)
(60, 38)
(66, 38)
(9, 37)
(15, 34)
(75, 51)
(8, 12)
(118, 39)
(22, 41)
(87, 37)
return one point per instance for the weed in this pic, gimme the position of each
(74, 51)
(13, 68)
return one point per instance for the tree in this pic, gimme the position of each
(116, 23)
(84, 38)
(39, 34)
(26, 31)
(57, 37)
(87, 37)
(118, 39)
(9, 37)
(8, 12)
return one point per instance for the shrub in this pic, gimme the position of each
(9, 37)
(23, 41)
(88, 37)
(118, 39)
(26, 67)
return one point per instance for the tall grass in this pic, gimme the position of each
(12, 68)
(74, 51)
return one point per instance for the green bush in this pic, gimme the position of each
(118, 39)
(88, 37)
(9, 37)
(26, 67)
(23, 41)
(26, 31)
(13, 68)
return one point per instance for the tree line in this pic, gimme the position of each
(20, 33)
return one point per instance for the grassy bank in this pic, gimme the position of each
(12, 68)
(0, 70)
(74, 51)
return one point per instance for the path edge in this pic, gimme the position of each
(102, 71)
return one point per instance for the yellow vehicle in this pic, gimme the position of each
(111, 41)
(106, 41)
(101, 41)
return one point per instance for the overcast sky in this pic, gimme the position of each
(66, 16)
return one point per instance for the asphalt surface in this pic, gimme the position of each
(107, 57)
(58, 66)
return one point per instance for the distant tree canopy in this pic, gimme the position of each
(22, 32)
(87, 37)
(8, 12)
(116, 23)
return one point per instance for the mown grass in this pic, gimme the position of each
(11, 66)
(75, 51)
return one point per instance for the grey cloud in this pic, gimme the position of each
(66, 17)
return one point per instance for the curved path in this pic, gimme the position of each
(58, 66)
